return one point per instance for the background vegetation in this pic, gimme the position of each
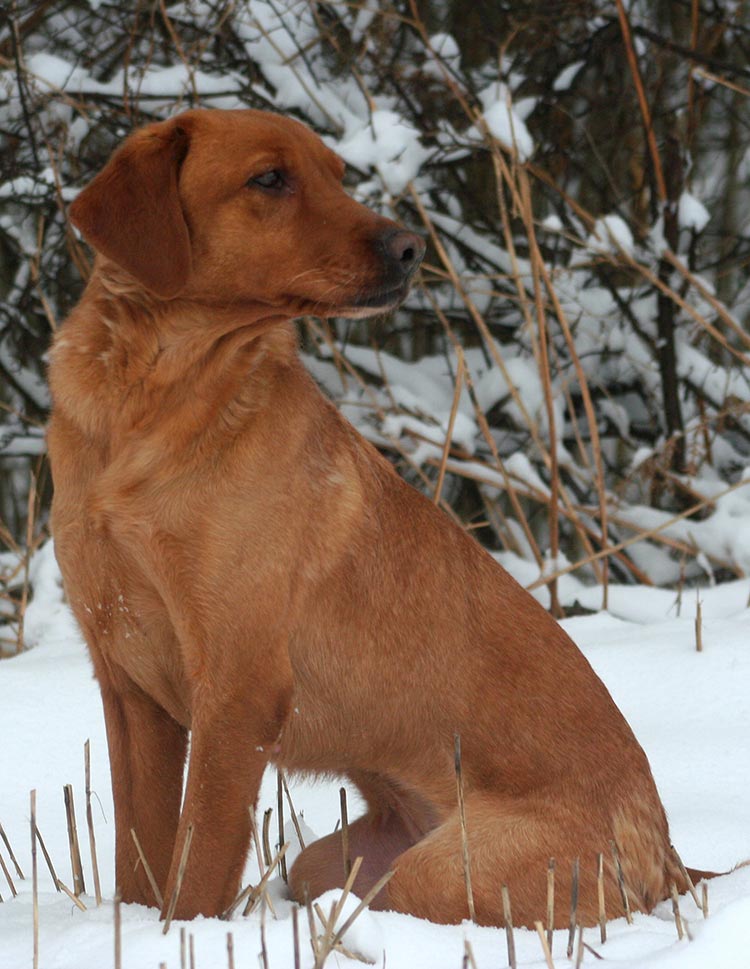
(581, 170)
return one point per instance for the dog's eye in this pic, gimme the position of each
(273, 179)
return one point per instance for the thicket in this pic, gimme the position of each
(570, 375)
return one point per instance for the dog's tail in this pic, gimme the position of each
(697, 874)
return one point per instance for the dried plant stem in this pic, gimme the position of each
(676, 911)
(8, 879)
(573, 906)
(147, 868)
(178, 880)
(34, 881)
(462, 820)
(600, 897)
(90, 824)
(345, 832)
(295, 936)
(280, 810)
(267, 837)
(118, 933)
(579, 949)
(13, 859)
(255, 894)
(698, 625)
(74, 899)
(641, 536)
(295, 820)
(704, 899)
(76, 865)
(508, 919)
(688, 879)
(460, 371)
(183, 948)
(47, 859)
(545, 948)
(550, 900)
(621, 882)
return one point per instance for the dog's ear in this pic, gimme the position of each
(131, 211)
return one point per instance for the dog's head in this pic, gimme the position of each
(237, 207)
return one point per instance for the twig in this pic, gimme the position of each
(8, 879)
(47, 859)
(698, 624)
(295, 820)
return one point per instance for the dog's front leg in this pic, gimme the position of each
(237, 721)
(147, 751)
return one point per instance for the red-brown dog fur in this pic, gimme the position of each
(246, 567)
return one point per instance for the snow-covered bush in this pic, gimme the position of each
(578, 334)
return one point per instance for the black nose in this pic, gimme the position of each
(403, 250)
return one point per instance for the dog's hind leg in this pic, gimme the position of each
(510, 842)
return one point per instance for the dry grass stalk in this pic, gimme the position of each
(47, 858)
(295, 936)
(34, 880)
(76, 865)
(191, 950)
(147, 868)
(462, 819)
(688, 879)
(13, 858)
(183, 948)
(600, 897)
(676, 911)
(376, 888)
(508, 919)
(579, 948)
(698, 624)
(267, 837)
(118, 932)
(8, 879)
(345, 832)
(545, 947)
(254, 895)
(573, 906)
(469, 955)
(90, 824)
(280, 809)
(74, 899)
(178, 881)
(621, 882)
(295, 820)
(704, 899)
(550, 900)
(460, 371)
(263, 947)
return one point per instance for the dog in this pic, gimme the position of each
(248, 571)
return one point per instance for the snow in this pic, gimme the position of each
(504, 122)
(388, 144)
(690, 710)
(692, 213)
(611, 234)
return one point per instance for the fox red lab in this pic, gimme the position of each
(249, 570)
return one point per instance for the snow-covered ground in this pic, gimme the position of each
(690, 710)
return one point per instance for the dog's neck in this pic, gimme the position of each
(154, 357)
